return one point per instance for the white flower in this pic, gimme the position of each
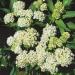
(64, 56)
(50, 64)
(19, 5)
(25, 13)
(39, 15)
(10, 40)
(21, 13)
(43, 7)
(48, 32)
(24, 22)
(22, 59)
(29, 13)
(16, 48)
(32, 58)
(30, 38)
(41, 54)
(19, 35)
(9, 18)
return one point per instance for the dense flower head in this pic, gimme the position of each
(64, 56)
(25, 13)
(30, 38)
(43, 7)
(24, 22)
(32, 58)
(18, 5)
(10, 40)
(9, 18)
(39, 16)
(50, 64)
(22, 59)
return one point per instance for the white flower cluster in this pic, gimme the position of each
(19, 5)
(25, 17)
(39, 16)
(30, 38)
(32, 58)
(9, 18)
(43, 7)
(26, 37)
(22, 59)
(64, 56)
(48, 31)
(24, 22)
(50, 64)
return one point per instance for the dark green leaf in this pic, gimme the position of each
(5, 10)
(14, 71)
(50, 5)
(71, 25)
(67, 2)
(69, 14)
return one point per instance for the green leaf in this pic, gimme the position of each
(61, 25)
(71, 45)
(71, 25)
(50, 5)
(5, 10)
(14, 71)
(69, 14)
(67, 2)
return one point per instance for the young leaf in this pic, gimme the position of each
(50, 5)
(67, 2)
(69, 14)
(71, 25)
(61, 25)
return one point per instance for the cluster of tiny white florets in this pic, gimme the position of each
(9, 18)
(64, 56)
(30, 38)
(43, 7)
(24, 22)
(22, 59)
(50, 64)
(48, 32)
(32, 58)
(39, 16)
(19, 5)
(25, 13)
(26, 37)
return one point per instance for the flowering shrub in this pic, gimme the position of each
(42, 40)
